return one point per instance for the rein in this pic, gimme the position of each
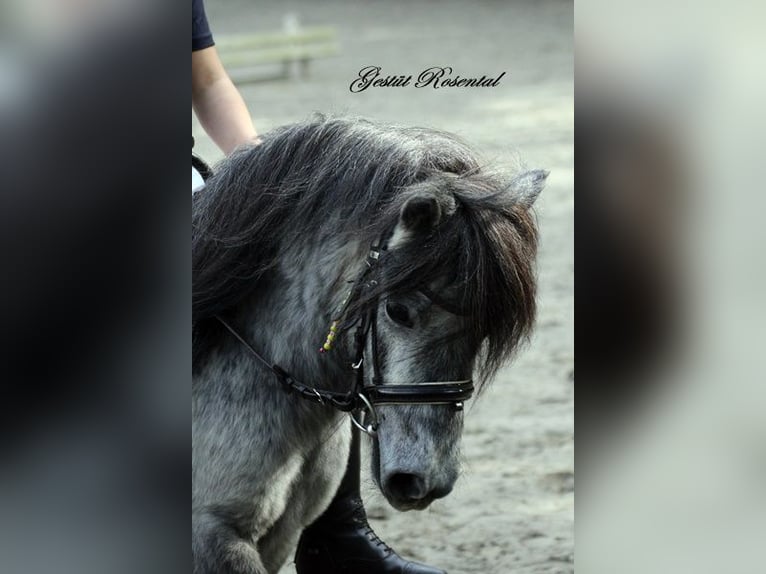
(363, 397)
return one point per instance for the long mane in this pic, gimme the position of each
(356, 174)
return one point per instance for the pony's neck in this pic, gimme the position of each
(288, 318)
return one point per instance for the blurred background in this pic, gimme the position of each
(512, 510)
(671, 451)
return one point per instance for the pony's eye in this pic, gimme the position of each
(399, 314)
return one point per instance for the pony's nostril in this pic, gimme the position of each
(441, 492)
(407, 486)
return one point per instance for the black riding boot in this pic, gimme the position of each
(342, 542)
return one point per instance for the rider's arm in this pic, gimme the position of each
(217, 102)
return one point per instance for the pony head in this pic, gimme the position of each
(455, 296)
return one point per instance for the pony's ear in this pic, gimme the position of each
(419, 215)
(527, 185)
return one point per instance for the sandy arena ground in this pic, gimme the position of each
(512, 510)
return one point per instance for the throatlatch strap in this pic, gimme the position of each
(345, 402)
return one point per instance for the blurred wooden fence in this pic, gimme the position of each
(289, 52)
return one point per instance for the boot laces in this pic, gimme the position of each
(370, 533)
(361, 517)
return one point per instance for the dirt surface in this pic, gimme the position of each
(512, 509)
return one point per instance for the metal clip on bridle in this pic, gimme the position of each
(367, 410)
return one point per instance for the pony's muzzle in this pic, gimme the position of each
(408, 491)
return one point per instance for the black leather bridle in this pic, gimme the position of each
(364, 398)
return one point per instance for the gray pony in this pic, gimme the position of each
(280, 234)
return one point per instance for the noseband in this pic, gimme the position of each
(364, 398)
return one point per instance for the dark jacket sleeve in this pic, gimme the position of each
(201, 36)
